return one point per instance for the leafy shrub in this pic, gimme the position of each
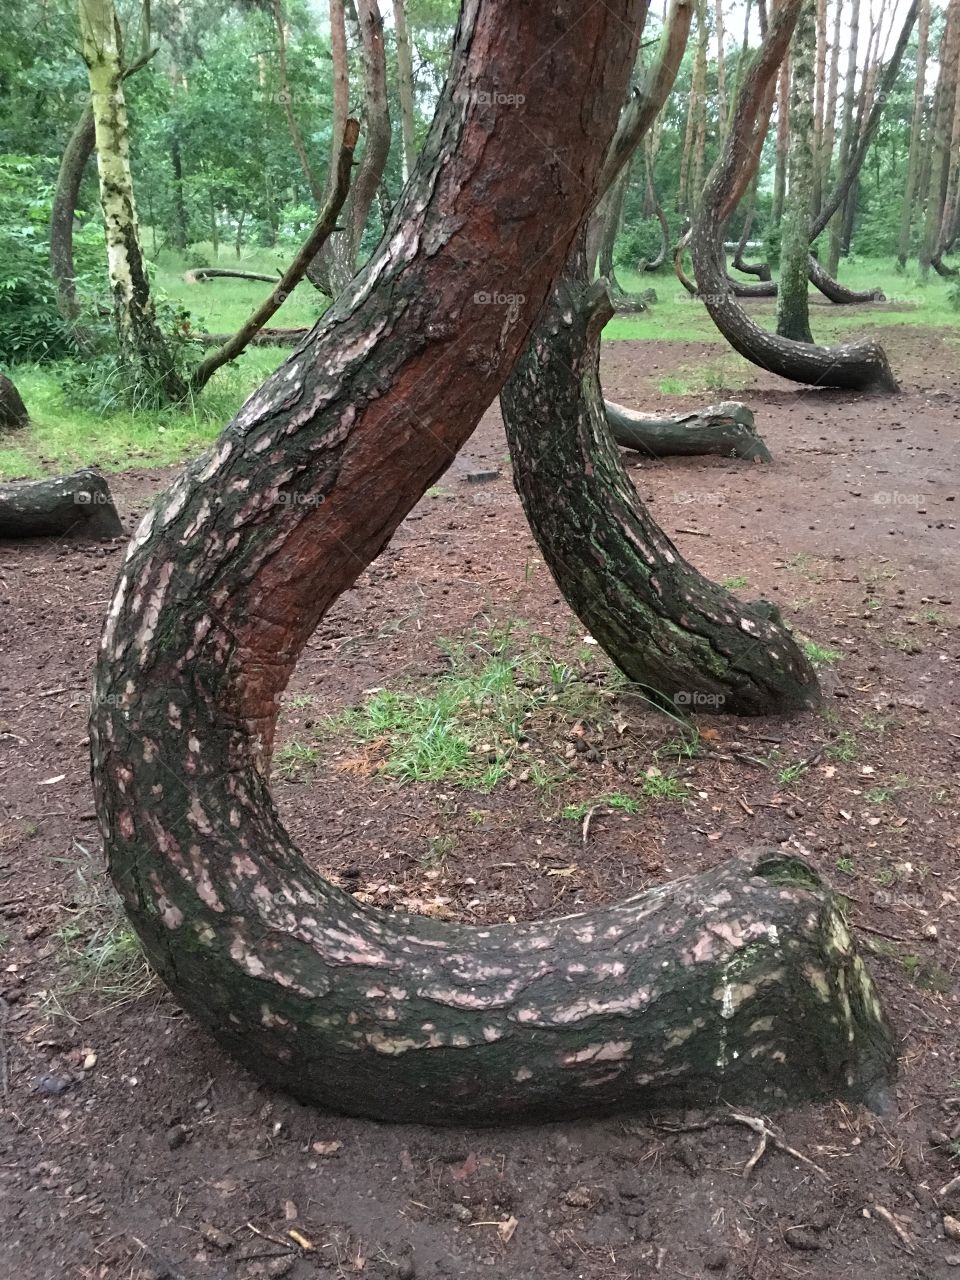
(30, 326)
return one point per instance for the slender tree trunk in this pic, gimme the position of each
(66, 197)
(181, 230)
(722, 108)
(700, 94)
(144, 355)
(830, 108)
(405, 86)
(846, 129)
(914, 162)
(686, 198)
(214, 228)
(951, 196)
(336, 265)
(793, 306)
(820, 90)
(783, 143)
(296, 137)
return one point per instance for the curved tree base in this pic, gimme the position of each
(759, 269)
(837, 292)
(942, 269)
(726, 429)
(741, 984)
(686, 640)
(631, 303)
(13, 412)
(78, 505)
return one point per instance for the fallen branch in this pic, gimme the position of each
(196, 274)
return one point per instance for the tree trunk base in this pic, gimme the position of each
(78, 506)
(726, 429)
(837, 292)
(13, 412)
(941, 268)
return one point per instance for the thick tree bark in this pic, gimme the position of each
(916, 138)
(726, 429)
(687, 641)
(181, 229)
(854, 366)
(405, 88)
(13, 412)
(793, 300)
(76, 506)
(66, 196)
(325, 224)
(144, 355)
(227, 578)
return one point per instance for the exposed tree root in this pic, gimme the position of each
(726, 429)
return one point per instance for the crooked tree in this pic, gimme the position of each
(689, 642)
(741, 982)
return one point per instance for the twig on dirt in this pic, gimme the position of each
(767, 1135)
(4, 1062)
(696, 533)
(881, 933)
(288, 1245)
(894, 1226)
(587, 820)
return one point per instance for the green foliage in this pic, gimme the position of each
(30, 326)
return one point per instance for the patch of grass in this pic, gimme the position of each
(101, 955)
(293, 757)
(926, 974)
(733, 584)
(613, 800)
(819, 655)
(844, 747)
(472, 727)
(791, 772)
(439, 849)
(877, 795)
(845, 866)
(662, 786)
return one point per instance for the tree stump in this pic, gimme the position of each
(13, 412)
(78, 506)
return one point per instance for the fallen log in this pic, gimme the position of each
(198, 274)
(79, 505)
(726, 429)
(837, 292)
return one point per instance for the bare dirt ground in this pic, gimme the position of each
(130, 1147)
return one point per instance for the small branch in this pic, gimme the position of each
(325, 224)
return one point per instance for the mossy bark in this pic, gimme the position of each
(793, 303)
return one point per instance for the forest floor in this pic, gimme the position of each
(508, 773)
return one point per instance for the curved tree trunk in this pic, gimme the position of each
(687, 641)
(836, 291)
(622, 301)
(726, 429)
(66, 196)
(13, 412)
(77, 505)
(856, 366)
(227, 578)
